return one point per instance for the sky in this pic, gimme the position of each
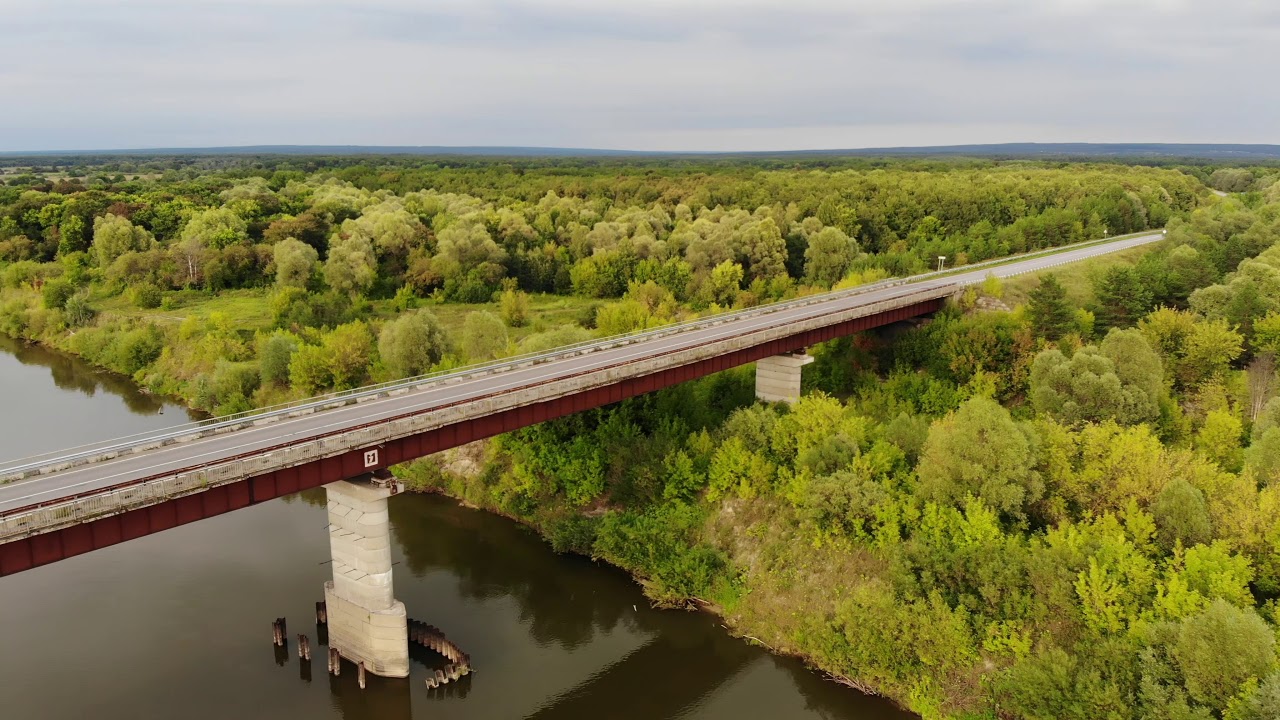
(714, 75)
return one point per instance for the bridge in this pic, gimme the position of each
(56, 507)
(68, 503)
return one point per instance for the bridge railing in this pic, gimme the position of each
(63, 459)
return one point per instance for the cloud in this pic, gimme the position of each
(661, 74)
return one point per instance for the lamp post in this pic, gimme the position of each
(942, 259)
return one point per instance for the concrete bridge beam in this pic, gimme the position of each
(778, 377)
(366, 623)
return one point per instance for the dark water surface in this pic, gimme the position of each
(177, 625)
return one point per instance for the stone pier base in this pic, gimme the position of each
(366, 623)
(778, 377)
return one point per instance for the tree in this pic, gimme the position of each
(1122, 298)
(275, 357)
(1263, 456)
(309, 369)
(725, 282)
(351, 266)
(114, 236)
(1266, 334)
(1219, 440)
(1258, 703)
(980, 451)
(1261, 381)
(1123, 380)
(1222, 648)
(1138, 367)
(484, 337)
(514, 306)
(349, 349)
(215, 228)
(829, 256)
(1050, 313)
(1181, 515)
(466, 245)
(412, 343)
(295, 263)
(1194, 349)
(390, 228)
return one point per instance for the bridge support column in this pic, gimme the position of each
(778, 377)
(366, 623)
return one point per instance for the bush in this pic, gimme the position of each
(147, 296)
(514, 307)
(56, 293)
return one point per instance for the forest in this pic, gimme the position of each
(1058, 498)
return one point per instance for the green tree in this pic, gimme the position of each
(1219, 439)
(1181, 515)
(1266, 334)
(465, 246)
(295, 263)
(114, 236)
(514, 306)
(1222, 648)
(1263, 456)
(215, 228)
(275, 357)
(1261, 702)
(309, 369)
(980, 451)
(484, 337)
(829, 256)
(1122, 298)
(1122, 381)
(349, 348)
(725, 282)
(351, 266)
(1047, 307)
(412, 343)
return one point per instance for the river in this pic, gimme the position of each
(177, 625)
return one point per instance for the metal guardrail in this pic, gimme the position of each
(138, 492)
(63, 459)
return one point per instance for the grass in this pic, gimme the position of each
(250, 309)
(1076, 277)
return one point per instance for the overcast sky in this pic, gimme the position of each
(635, 74)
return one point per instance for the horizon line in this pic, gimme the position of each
(552, 151)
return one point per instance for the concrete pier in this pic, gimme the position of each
(778, 377)
(366, 623)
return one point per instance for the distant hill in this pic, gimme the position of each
(1166, 151)
(1050, 150)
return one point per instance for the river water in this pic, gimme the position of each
(177, 625)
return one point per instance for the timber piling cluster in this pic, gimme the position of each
(278, 632)
(432, 638)
(426, 635)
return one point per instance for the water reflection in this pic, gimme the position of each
(679, 664)
(493, 557)
(94, 405)
(69, 373)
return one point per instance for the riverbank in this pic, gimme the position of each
(447, 475)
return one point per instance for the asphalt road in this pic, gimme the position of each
(204, 451)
